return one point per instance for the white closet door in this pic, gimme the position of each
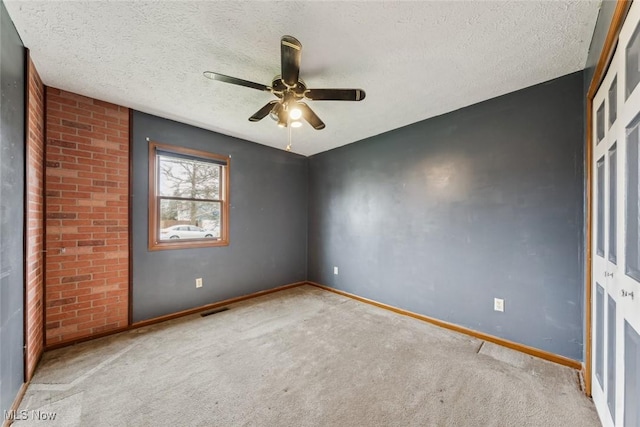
(615, 230)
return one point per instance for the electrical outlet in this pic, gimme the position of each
(498, 304)
(199, 282)
(335, 270)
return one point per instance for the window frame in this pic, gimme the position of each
(155, 244)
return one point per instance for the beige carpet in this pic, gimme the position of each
(301, 357)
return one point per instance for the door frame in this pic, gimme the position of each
(610, 43)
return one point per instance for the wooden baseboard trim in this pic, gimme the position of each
(562, 360)
(214, 305)
(16, 403)
(172, 316)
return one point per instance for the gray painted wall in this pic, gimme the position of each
(441, 216)
(268, 228)
(12, 116)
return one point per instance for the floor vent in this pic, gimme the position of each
(218, 310)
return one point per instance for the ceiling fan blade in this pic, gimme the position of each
(291, 51)
(233, 80)
(262, 113)
(310, 116)
(335, 94)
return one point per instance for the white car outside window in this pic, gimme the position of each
(184, 232)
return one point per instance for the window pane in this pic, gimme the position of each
(600, 201)
(600, 122)
(611, 357)
(632, 191)
(613, 170)
(189, 220)
(188, 178)
(613, 101)
(600, 334)
(631, 376)
(632, 65)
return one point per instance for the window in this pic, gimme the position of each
(632, 59)
(632, 243)
(600, 123)
(613, 101)
(188, 198)
(600, 207)
(613, 203)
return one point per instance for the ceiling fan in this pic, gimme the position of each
(291, 90)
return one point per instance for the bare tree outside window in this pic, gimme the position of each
(189, 196)
(189, 179)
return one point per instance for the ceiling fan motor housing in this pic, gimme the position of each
(280, 88)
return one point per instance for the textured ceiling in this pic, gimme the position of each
(415, 60)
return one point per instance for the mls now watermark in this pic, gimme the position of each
(25, 415)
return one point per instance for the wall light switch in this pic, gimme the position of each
(199, 282)
(335, 270)
(498, 304)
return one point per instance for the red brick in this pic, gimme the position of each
(75, 279)
(105, 222)
(108, 106)
(91, 270)
(96, 110)
(34, 290)
(63, 301)
(87, 215)
(78, 320)
(91, 243)
(92, 296)
(53, 325)
(76, 306)
(60, 143)
(92, 310)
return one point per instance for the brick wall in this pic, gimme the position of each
(87, 259)
(34, 257)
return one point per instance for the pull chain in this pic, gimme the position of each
(289, 128)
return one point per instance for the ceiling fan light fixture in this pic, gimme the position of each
(295, 113)
(296, 124)
(282, 117)
(277, 112)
